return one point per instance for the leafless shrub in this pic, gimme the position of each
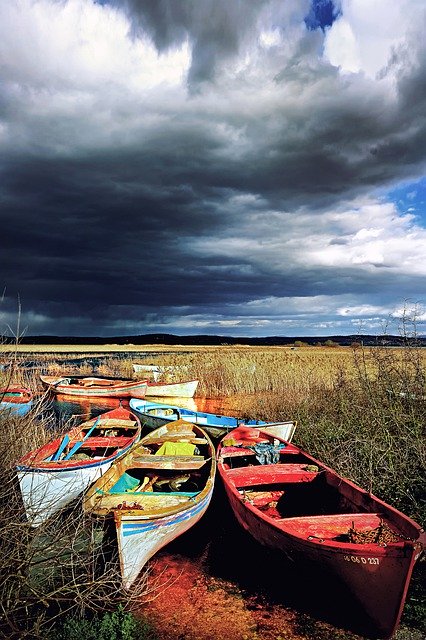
(66, 566)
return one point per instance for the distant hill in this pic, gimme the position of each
(170, 339)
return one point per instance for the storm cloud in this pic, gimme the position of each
(220, 167)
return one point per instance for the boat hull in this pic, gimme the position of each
(46, 492)
(139, 540)
(291, 502)
(16, 400)
(378, 579)
(154, 415)
(174, 389)
(123, 390)
(19, 409)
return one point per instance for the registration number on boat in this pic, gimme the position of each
(361, 560)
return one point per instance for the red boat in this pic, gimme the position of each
(58, 472)
(288, 500)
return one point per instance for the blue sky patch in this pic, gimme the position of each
(322, 14)
(410, 198)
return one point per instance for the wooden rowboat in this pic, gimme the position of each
(16, 400)
(156, 492)
(155, 414)
(155, 371)
(297, 505)
(185, 389)
(92, 387)
(55, 474)
(151, 370)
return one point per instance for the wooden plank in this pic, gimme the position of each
(168, 462)
(112, 422)
(148, 502)
(174, 438)
(270, 474)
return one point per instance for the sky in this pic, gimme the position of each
(231, 167)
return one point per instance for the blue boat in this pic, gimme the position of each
(155, 414)
(16, 400)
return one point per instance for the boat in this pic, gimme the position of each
(16, 400)
(156, 492)
(155, 414)
(92, 387)
(289, 501)
(185, 389)
(148, 369)
(156, 372)
(58, 472)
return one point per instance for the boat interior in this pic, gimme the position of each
(90, 382)
(176, 413)
(163, 472)
(308, 500)
(18, 396)
(95, 440)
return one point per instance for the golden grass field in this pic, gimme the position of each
(359, 410)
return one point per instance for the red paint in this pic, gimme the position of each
(377, 576)
(39, 458)
(16, 395)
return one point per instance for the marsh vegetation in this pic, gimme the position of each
(360, 410)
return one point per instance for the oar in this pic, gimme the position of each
(80, 442)
(61, 447)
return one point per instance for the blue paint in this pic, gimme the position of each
(77, 445)
(61, 447)
(144, 408)
(18, 409)
(134, 528)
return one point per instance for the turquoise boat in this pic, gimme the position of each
(156, 414)
(16, 400)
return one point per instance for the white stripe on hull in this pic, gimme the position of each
(45, 493)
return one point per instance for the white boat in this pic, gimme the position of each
(150, 369)
(185, 389)
(156, 492)
(55, 474)
(156, 371)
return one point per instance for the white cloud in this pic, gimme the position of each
(341, 47)
(336, 238)
(75, 79)
(252, 176)
(367, 34)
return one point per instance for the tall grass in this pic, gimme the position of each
(360, 411)
(60, 570)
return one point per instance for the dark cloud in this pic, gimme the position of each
(215, 28)
(130, 204)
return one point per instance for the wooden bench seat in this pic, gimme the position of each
(147, 502)
(113, 422)
(168, 462)
(270, 474)
(329, 526)
(176, 437)
(234, 451)
(100, 442)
